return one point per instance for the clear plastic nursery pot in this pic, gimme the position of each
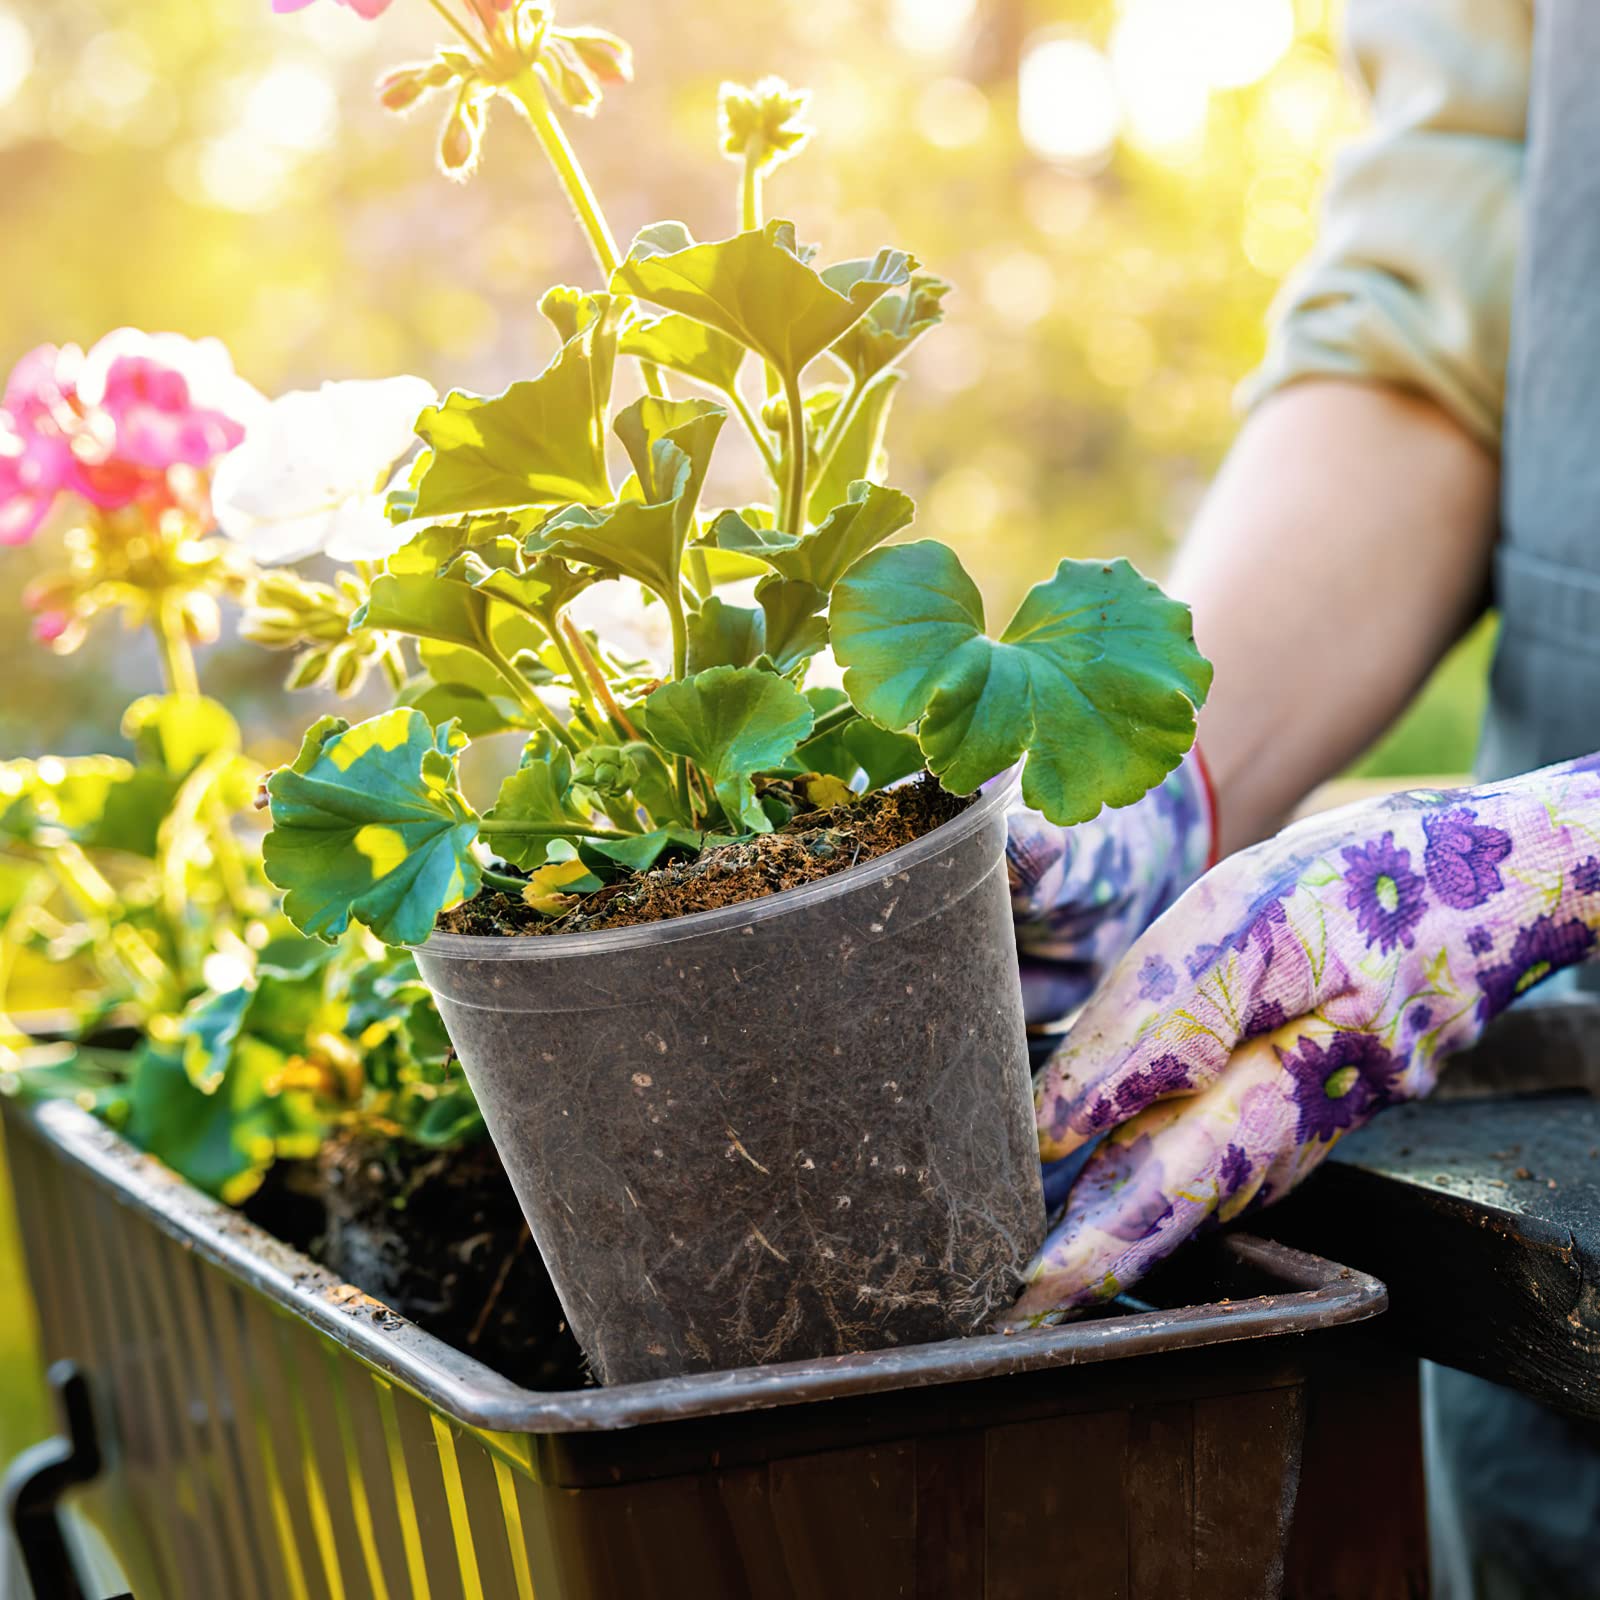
(795, 1127)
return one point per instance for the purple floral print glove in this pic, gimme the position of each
(1295, 990)
(1080, 896)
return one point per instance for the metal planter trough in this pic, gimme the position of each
(267, 1431)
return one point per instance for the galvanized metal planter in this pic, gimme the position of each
(270, 1432)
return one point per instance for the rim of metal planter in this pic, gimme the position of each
(1322, 1295)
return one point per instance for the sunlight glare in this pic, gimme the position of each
(16, 55)
(1067, 106)
(1160, 68)
(1243, 40)
(293, 106)
(931, 27)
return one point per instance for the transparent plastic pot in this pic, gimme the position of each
(795, 1127)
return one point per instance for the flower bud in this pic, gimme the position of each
(309, 667)
(461, 142)
(762, 124)
(570, 80)
(347, 668)
(407, 86)
(608, 58)
(605, 768)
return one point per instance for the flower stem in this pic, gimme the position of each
(794, 489)
(530, 94)
(177, 659)
(750, 195)
(474, 45)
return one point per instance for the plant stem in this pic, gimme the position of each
(474, 45)
(830, 720)
(530, 94)
(750, 195)
(526, 694)
(769, 457)
(602, 688)
(680, 668)
(836, 432)
(177, 659)
(504, 882)
(794, 489)
(489, 826)
(580, 681)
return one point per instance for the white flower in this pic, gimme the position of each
(311, 475)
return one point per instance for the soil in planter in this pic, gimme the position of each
(814, 845)
(439, 1236)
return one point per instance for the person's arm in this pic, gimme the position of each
(1343, 549)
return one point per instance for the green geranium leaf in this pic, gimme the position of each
(538, 793)
(860, 454)
(643, 537)
(869, 516)
(892, 326)
(641, 853)
(542, 442)
(476, 714)
(222, 1141)
(659, 436)
(723, 635)
(177, 732)
(757, 288)
(796, 629)
(425, 607)
(1096, 677)
(369, 823)
(731, 722)
(450, 1119)
(684, 345)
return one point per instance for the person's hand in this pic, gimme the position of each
(1296, 989)
(1080, 896)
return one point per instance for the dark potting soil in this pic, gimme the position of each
(814, 845)
(438, 1236)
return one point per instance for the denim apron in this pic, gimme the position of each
(1514, 1489)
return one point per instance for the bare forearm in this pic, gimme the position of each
(1344, 547)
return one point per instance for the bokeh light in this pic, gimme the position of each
(16, 55)
(1067, 105)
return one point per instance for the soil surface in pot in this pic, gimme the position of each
(438, 1235)
(814, 845)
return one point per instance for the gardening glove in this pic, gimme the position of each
(1080, 896)
(1296, 989)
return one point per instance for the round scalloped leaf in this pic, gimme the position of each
(1096, 678)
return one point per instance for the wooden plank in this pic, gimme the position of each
(1158, 1485)
(1483, 1218)
(951, 1485)
(1057, 1511)
(1246, 1472)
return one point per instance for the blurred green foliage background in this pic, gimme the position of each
(1116, 187)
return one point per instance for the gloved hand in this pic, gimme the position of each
(1080, 896)
(1296, 989)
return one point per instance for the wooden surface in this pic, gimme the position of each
(1481, 1210)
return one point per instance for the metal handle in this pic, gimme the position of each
(35, 1482)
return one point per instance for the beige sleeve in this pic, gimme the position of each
(1410, 280)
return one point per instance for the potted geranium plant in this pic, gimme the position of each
(744, 1023)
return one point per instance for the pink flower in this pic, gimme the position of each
(111, 425)
(362, 8)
